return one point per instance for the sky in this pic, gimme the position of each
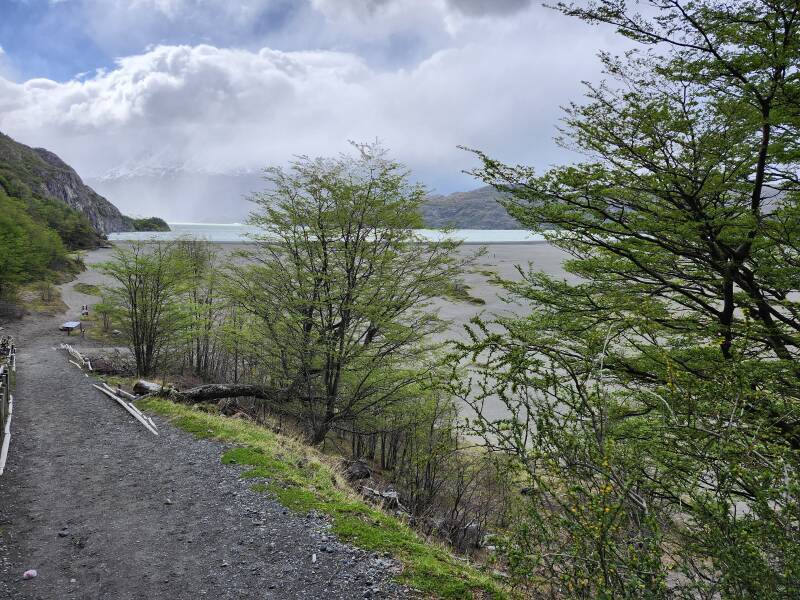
(218, 86)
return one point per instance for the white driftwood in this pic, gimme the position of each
(119, 392)
(76, 364)
(128, 395)
(6, 436)
(84, 362)
(129, 408)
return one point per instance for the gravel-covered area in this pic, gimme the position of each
(103, 509)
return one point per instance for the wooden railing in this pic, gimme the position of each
(8, 356)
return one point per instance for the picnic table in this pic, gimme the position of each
(70, 326)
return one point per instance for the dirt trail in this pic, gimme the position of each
(103, 509)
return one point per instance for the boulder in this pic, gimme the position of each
(358, 469)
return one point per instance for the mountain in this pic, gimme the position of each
(55, 193)
(182, 195)
(47, 176)
(477, 209)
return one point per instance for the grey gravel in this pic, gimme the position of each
(146, 517)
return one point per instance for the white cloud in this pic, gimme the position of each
(497, 87)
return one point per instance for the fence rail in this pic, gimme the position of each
(8, 366)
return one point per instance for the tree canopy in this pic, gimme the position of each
(341, 284)
(654, 404)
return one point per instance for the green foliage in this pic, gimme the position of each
(18, 181)
(652, 403)
(341, 285)
(147, 224)
(28, 250)
(304, 481)
(151, 279)
(459, 291)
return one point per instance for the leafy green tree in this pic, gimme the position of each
(151, 279)
(653, 403)
(341, 285)
(28, 250)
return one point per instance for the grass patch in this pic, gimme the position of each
(459, 291)
(304, 480)
(94, 330)
(87, 288)
(42, 297)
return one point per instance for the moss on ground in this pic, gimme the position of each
(305, 480)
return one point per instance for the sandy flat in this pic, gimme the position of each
(499, 259)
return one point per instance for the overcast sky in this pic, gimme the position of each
(226, 86)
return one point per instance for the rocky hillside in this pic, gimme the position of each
(478, 209)
(37, 173)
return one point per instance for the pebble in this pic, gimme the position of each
(30, 574)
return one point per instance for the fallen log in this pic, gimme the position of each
(217, 391)
(144, 388)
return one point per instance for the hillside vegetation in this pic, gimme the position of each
(46, 212)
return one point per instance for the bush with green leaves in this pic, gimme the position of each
(652, 401)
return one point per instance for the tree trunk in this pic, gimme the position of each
(218, 391)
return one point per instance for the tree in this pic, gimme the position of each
(203, 303)
(654, 404)
(341, 286)
(151, 278)
(28, 250)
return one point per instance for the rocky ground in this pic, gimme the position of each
(103, 509)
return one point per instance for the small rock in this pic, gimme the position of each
(168, 501)
(30, 574)
(313, 558)
(73, 580)
(63, 533)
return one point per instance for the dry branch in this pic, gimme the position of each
(134, 412)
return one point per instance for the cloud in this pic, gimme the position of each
(203, 108)
(488, 7)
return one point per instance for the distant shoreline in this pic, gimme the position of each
(235, 233)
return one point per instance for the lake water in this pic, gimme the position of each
(238, 233)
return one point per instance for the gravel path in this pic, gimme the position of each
(103, 509)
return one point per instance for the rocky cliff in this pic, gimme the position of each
(47, 176)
